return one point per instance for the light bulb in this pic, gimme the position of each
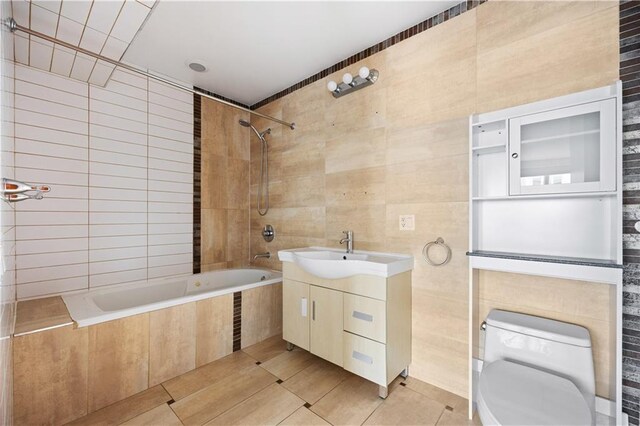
(332, 86)
(364, 72)
(347, 78)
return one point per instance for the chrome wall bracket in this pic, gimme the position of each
(11, 24)
(355, 85)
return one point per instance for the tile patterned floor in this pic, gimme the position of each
(266, 385)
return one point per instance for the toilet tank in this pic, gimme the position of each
(556, 347)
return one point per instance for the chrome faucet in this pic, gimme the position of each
(266, 255)
(348, 240)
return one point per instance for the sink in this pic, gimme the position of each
(329, 255)
(333, 264)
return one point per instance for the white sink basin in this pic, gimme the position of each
(333, 264)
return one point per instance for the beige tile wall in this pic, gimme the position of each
(225, 188)
(400, 147)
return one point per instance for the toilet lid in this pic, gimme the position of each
(514, 394)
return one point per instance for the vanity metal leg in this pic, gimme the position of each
(290, 346)
(383, 392)
(405, 373)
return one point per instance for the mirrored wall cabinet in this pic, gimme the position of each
(546, 177)
(561, 150)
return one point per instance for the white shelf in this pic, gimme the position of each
(489, 149)
(491, 124)
(538, 196)
(567, 135)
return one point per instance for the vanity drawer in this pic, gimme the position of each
(365, 316)
(365, 357)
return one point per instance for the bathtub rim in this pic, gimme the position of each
(84, 312)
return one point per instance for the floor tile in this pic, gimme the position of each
(304, 417)
(161, 415)
(268, 407)
(210, 402)
(406, 407)
(191, 382)
(127, 408)
(451, 418)
(316, 380)
(289, 363)
(351, 402)
(267, 349)
(454, 401)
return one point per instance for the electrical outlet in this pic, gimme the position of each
(407, 222)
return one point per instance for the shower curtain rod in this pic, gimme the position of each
(14, 26)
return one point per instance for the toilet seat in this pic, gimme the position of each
(513, 394)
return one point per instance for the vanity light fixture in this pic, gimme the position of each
(350, 83)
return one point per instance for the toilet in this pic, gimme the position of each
(536, 371)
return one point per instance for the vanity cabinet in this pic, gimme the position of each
(361, 323)
(312, 319)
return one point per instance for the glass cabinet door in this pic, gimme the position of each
(565, 150)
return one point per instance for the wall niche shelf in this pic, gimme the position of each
(545, 200)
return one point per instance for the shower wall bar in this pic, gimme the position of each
(14, 26)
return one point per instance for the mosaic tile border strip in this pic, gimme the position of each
(410, 32)
(197, 168)
(237, 321)
(630, 76)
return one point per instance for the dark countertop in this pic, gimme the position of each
(549, 259)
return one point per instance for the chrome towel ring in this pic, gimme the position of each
(438, 242)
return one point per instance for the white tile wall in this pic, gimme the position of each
(101, 26)
(120, 161)
(167, 212)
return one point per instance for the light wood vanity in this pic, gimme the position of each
(361, 323)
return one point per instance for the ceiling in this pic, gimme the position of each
(104, 27)
(255, 49)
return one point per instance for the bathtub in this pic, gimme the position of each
(106, 304)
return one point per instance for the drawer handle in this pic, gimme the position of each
(362, 357)
(362, 316)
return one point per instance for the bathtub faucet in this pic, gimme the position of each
(266, 255)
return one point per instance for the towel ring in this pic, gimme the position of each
(438, 242)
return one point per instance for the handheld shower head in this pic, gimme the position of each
(263, 189)
(245, 123)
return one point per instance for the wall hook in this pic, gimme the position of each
(15, 190)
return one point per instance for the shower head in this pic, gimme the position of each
(260, 135)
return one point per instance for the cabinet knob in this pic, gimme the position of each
(514, 155)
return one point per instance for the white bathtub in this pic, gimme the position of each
(106, 304)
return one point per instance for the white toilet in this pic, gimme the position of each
(536, 371)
